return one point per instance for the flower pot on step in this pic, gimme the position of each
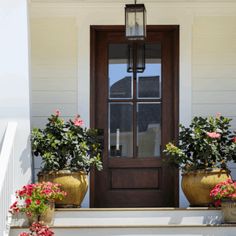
(198, 184)
(74, 183)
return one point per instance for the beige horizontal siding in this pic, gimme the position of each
(54, 84)
(214, 66)
(54, 97)
(220, 84)
(214, 26)
(210, 71)
(54, 68)
(54, 41)
(45, 110)
(59, 71)
(215, 97)
(206, 109)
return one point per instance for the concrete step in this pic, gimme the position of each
(139, 221)
(170, 230)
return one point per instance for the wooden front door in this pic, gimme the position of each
(138, 113)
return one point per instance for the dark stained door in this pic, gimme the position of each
(138, 113)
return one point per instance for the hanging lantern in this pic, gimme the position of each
(135, 21)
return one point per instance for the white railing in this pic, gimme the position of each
(7, 177)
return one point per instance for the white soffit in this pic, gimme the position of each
(131, 1)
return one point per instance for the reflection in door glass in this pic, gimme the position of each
(120, 82)
(149, 81)
(149, 129)
(121, 129)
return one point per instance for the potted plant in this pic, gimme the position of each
(36, 201)
(68, 152)
(202, 154)
(224, 195)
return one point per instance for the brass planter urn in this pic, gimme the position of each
(197, 185)
(75, 184)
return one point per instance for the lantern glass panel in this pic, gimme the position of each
(130, 63)
(136, 55)
(135, 21)
(140, 63)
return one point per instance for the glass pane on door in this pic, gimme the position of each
(149, 81)
(149, 129)
(120, 81)
(121, 129)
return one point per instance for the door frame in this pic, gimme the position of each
(174, 29)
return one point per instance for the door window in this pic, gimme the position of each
(134, 103)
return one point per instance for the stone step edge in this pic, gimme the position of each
(141, 209)
(133, 226)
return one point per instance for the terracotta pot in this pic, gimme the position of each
(74, 183)
(197, 185)
(47, 217)
(229, 211)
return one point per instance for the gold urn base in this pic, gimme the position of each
(75, 184)
(198, 184)
(47, 217)
(229, 211)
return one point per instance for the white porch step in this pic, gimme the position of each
(141, 222)
(130, 217)
(142, 231)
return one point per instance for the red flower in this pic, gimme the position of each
(234, 139)
(213, 135)
(28, 201)
(14, 208)
(39, 194)
(217, 203)
(38, 202)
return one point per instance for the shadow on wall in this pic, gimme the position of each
(25, 155)
(2, 138)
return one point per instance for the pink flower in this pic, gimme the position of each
(24, 234)
(41, 230)
(57, 113)
(77, 121)
(218, 115)
(223, 190)
(47, 191)
(213, 135)
(29, 214)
